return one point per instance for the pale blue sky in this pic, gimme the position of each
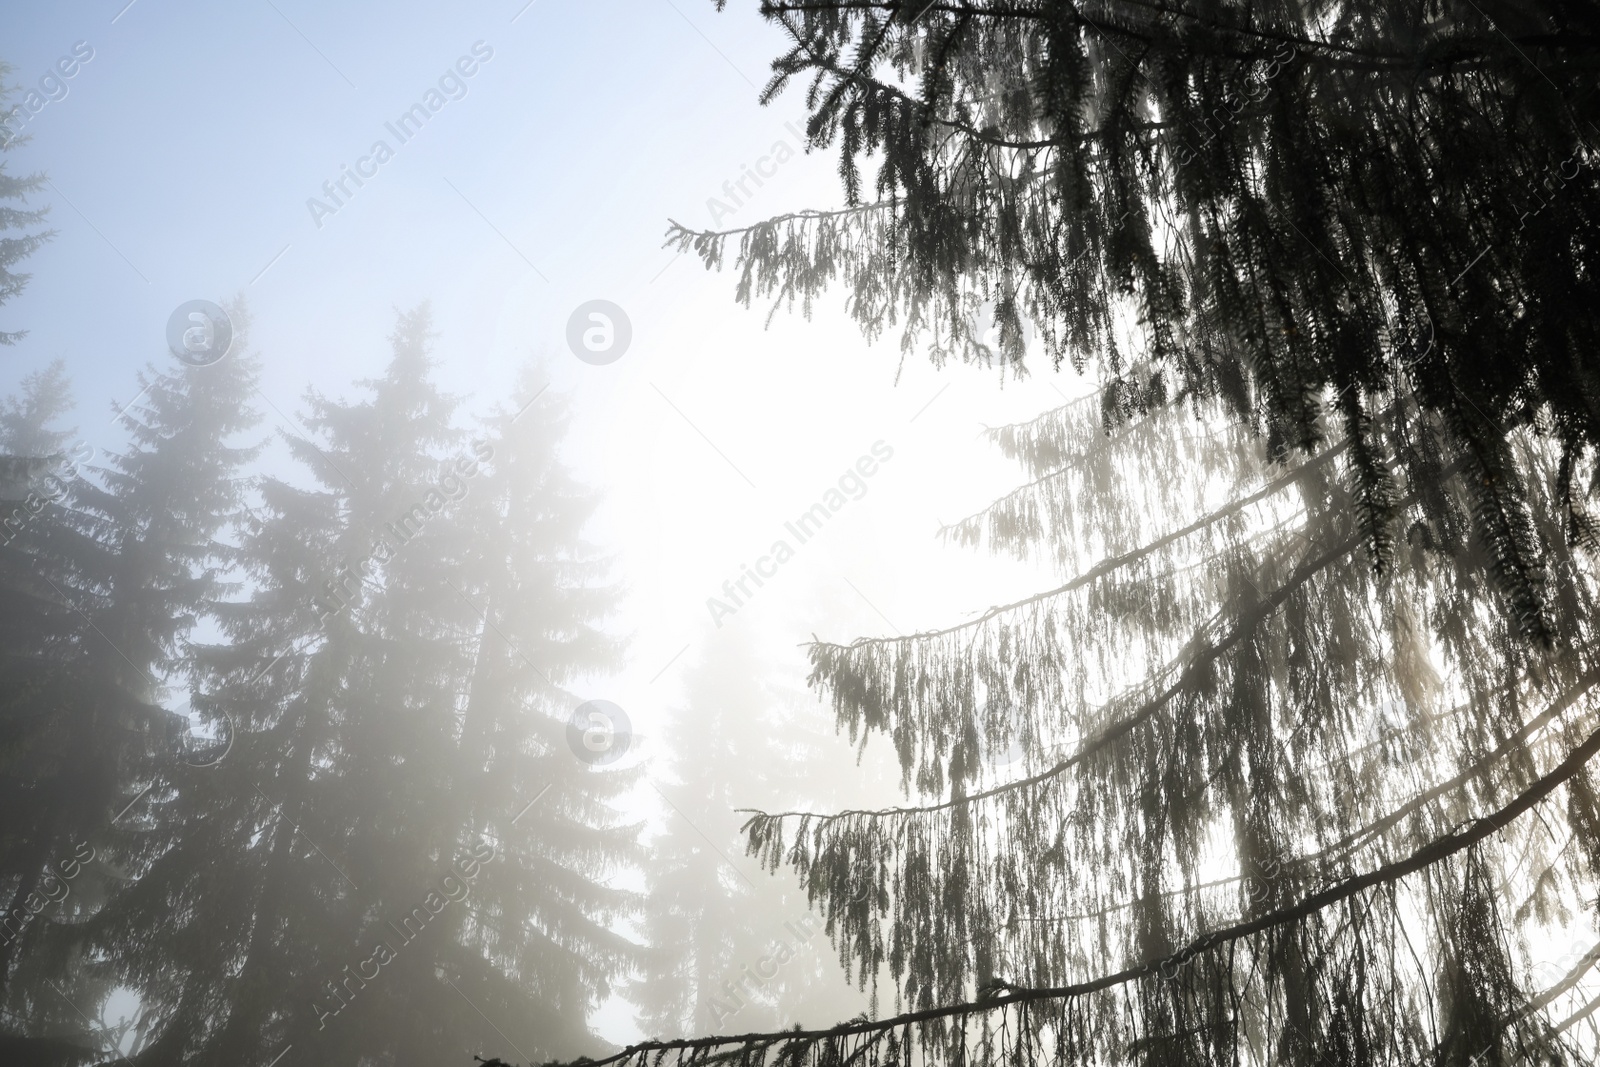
(193, 138)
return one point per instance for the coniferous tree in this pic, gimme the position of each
(1309, 812)
(1309, 212)
(32, 684)
(29, 433)
(538, 952)
(1322, 662)
(249, 916)
(728, 948)
(107, 576)
(352, 883)
(28, 422)
(16, 244)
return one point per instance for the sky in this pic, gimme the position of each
(187, 158)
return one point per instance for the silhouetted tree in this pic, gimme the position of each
(1307, 724)
(1273, 805)
(1306, 212)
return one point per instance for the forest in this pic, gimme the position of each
(1288, 755)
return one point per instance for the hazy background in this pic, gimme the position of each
(182, 158)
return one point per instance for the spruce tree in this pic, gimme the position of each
(33, 682)
(107, 578)
(1312, 213)
(19, 233)
(249, 916)
(1308, 721)
(727, 947)
(1275, 806)
(30, 436)
(540, 949)
(352, 882)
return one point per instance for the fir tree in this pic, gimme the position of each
(16, 242)
(353, 881)
(726, 947)
(27, 422)
(540, 953)
(1320, 662)
(108, 576)
(1308, 212)
(251, 913)
(34, 683)
(1275, 806)
(29, 434)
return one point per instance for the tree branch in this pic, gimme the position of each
(1112, 563)
(1439, 849)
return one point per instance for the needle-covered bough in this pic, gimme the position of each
(1307, 727)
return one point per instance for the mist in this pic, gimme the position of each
(796, 534)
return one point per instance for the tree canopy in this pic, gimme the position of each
(283, 749)
(1307, 211)
(19, 233)
(1308, 720)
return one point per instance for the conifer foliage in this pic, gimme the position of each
(726, 947)
(1309, 721)
(376, 845)
(1303, 209)
(1275, 806)
(20, 236)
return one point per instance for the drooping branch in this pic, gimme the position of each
(759, 824)
(684, 238)
(1420, 859)
(1358, 838)
(1348, 844)
(1126, 559)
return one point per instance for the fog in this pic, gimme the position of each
(1038, 534)
(187, 160)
